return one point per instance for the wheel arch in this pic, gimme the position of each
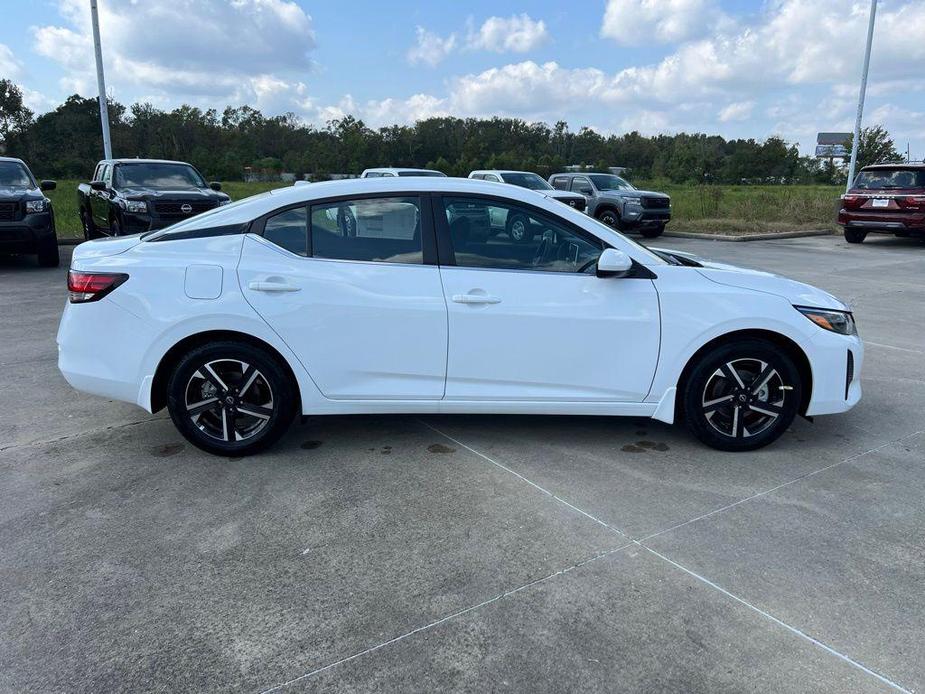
(604, 207)
(173, 355)
(791, 348)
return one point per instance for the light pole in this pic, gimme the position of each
(856, 142)
(101, 82)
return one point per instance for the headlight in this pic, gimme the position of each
(633, 201)
(222, 203)
(841, 322)
(35, 206)
(136, 206)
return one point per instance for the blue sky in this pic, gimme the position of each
(737, 68)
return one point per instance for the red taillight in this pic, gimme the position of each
(850, 198)
(92, 286)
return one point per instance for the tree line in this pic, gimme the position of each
(66, 143)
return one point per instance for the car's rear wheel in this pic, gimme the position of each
(231, 398)
(855, 235)
(518, 229)
(653, 231)
(742, 395)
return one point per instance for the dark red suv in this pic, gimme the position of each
(885, 198)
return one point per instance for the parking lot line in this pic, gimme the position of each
(898, 349)
(792, 629)
(449, 617)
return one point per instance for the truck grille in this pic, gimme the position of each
(656, 203)
(9, 211)
(181, 210)
(577, 203)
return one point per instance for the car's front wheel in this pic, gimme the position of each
(518, 229)
(742, 395)
(231, 398)
(855, 235)
(610, 218)
(652, 231)
(48, 254)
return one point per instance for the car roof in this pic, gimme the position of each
(896, 165)
(399, 168)
(132, 160)
(501, 171)
(13, 159)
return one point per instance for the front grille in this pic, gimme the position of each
(577, 203)
(656, 203)
(176, 209)
(9, 211)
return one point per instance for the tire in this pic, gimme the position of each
(652, 232)
(48, 255)
(236, 423)
(518, 229)
(609, 217)
(89, 228)
(725, 415)
(855, 235)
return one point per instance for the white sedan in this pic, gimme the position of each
(393, 295)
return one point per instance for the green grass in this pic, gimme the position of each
(708, 209)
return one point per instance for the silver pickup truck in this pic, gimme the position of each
(617, 203)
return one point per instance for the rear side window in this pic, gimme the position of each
(289, 230)
(560, 183)
(385, 230)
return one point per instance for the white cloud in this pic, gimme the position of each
(10, 67)
(514, 34)
(430, 48)
(737, 111)
(636, 22)
(244, 51)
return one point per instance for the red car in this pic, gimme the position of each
(887, 199)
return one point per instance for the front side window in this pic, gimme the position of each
(489, 234)
(610, 182)
(289, 230)
(526, 180)
(15, 175)
(385, 230)
(156, 175)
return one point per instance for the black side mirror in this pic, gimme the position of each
(98, 185)
(48, 185)
(586, 191)
(215, 185)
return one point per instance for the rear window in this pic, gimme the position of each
(560, 183)
(422, 173)
(890, 179)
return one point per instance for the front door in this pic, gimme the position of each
(529, 320)
(345, 285)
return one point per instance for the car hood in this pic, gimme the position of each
(797, 293)
(10, 193)
(179, 194)
(633, 194)
(100, 248)
(562, 194)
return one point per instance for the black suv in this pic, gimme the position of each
(127, 196)
(27, 222)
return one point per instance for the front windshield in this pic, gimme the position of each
(526, 180)
(422, 173)
(156, 175)
(890, 179)
(15, 175)
(610, 182)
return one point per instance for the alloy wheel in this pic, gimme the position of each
(743, 397)
(229, 400)
(518, 230)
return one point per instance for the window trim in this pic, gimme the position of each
(428, 240)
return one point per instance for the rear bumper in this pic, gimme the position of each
(26, 235)
(883, 222)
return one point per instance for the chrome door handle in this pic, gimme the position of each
(476, 299)
(272, 287)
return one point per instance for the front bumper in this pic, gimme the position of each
(835, 361)
(635, 217)
(26, 234)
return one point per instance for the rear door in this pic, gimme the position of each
(352, 287)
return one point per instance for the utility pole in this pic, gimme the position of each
(856, 142)
(101, 82)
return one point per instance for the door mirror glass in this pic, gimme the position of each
(215, 185)
(98, 185)
(49, 185)
(586, 191)
(614, 263)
